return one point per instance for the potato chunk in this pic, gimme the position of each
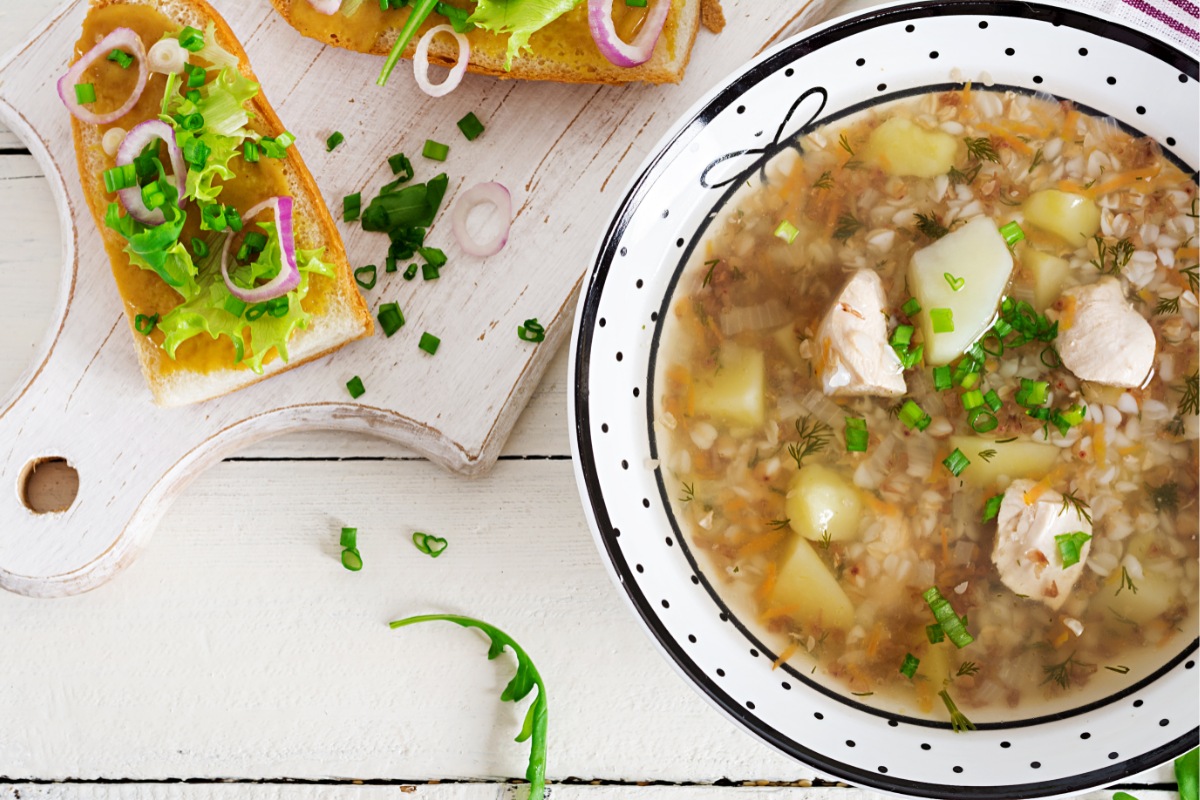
(1012, 460)
(1049, 273)
(1072, 217)
(807, 587)
(734, 392)
(965, 271)
(901, 147)
(821, 503)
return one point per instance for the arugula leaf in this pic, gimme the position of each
(518, 18)
(522, 683)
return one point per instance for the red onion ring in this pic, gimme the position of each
(612, 46)
(131, 147)
(289, 274)
(124, 38)
(421, 62)
(326, 6)
(490, 193)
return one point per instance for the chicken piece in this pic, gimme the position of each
(1101, 338)
(1026, 554)
(854, 357)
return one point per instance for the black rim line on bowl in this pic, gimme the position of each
(588, 317)
(734, 185)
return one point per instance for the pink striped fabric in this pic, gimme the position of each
(1174, 21)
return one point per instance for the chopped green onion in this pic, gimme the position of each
(913, 416)
(992, 507)
(255, 241)
(1070, 546)
(902, 335)
(193, 95)
(199, 247)
(972, 399)
(390, 264)
(256, 312)
(233, 219)
(430, 272)
(366, 276)
(192, 122)
(429, 343)
(351, 207)
(196, 153)
(912, 307)
(435, 150)
(351, 560)
(272, 148)
(1032, 393)
(856, 435)
(909, 667)
(390, 318)
(787, 231)
(145, 325)
(85, 93)
(433, 256)
(335, 138)
(942, 379)
(410, 272)
(992, 399)
(942, 320)
(212, 218)
(153, 196)
(401, 166)
(285, 139)
(234, 305)
(195, 76)
(531, 331)
(191, 39)
(250, 151)
(121, 57)
(996, 349)
(420, 12)
(956, 462)
(635, 3)
(1050, 358)
(470, 126)
(953, 626)
(432, 546)
(1012, 233)
(909, 358)
(1074, 415)
(981, 420)
(969, 380)
(955, 283)
(935, 634)
(356, 389)
(278, 307)
(349, 538)
(119, 178)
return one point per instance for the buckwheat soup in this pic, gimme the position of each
(927, 404)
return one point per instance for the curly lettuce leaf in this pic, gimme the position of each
(518, 18)
(216, 312)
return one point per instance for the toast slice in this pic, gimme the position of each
(562, 51)
(209, 365)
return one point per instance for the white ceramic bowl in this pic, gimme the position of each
(840, 67)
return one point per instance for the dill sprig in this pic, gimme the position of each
(1111, 259)
(987, 455)
(814, 436)
(958, 720)
(847, 226)
(826, 540)
(1193, 277)
(1120, 669)
(825, 181)
(1126, 583)
(778, 524)
(689, 493)
(1061, 672)
(956, 175)
(712, 265)
(1167, 305)
(981, 149)
(1189, 403)
(1037, 159)
(929, 226)
(844, 143)
(1082, 509)
(967, 668)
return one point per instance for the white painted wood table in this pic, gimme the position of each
(236, 658)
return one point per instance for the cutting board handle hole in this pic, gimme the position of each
(48, 485)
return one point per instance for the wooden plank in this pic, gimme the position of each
(477, 791)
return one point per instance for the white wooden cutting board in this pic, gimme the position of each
(566, 152)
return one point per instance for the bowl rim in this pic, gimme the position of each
(705, 109)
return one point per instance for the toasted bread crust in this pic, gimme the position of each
(345, 316)
(667, 65)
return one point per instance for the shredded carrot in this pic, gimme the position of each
(678, 373)
(1071, 187)
(1130, 450)
(1124, 179)
(776, 612)
(1066, 319)
(945, 546)
(785, 654)
(760, 544)
(1062, 638)
(1187, 253)
(1036, 491)
(1069, 124)
(1099, 445)
(1007, 137)
(874, 639)
(768, 583)
(966, 94)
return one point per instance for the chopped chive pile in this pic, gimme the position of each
(470, 126)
